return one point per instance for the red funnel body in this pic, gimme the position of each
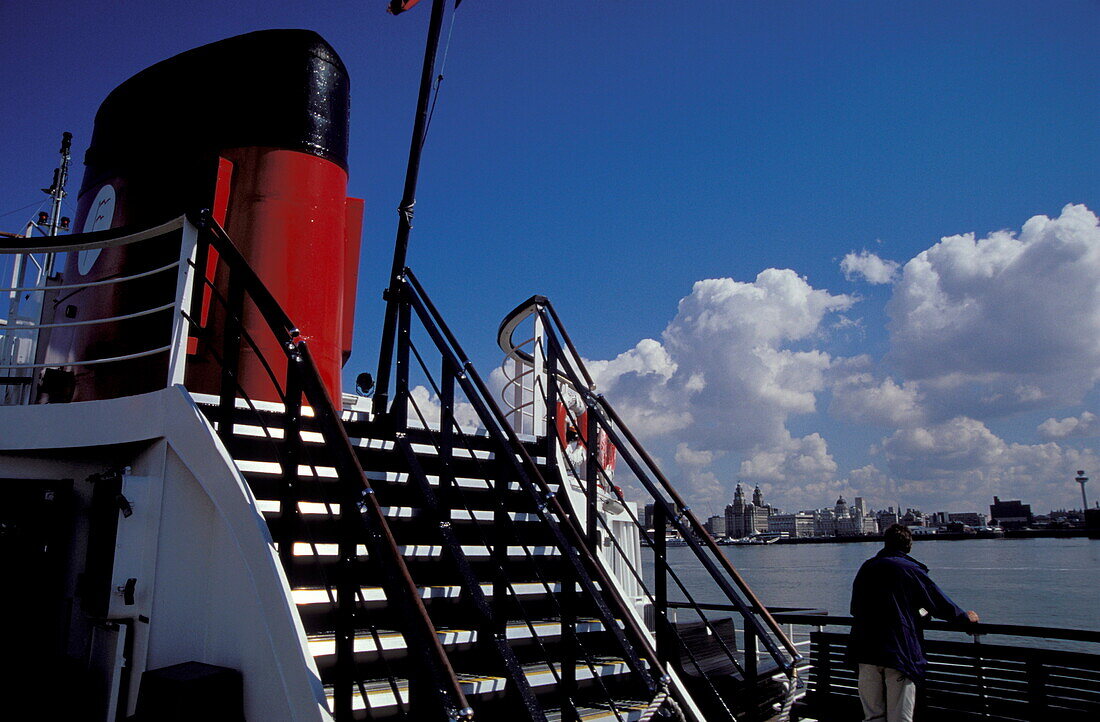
(286, 214)
(264, 145)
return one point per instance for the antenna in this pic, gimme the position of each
(56, 222)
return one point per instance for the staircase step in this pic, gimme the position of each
(308, 596)
(328, 551)
(309, 509)
(625, 711)
(381, 700)
(368, 645)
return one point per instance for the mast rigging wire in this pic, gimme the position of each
(439, 78)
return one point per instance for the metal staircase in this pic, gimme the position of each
(447, 570)
(494, 590)
(435, 570)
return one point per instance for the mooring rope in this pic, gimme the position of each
(660, 700)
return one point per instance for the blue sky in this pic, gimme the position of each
(611, 155)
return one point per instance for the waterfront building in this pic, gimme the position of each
(799, 524)
(824, 522)
(716, 526)
(970, 518)
(886, 519)
(647, 516)
(1010, 514)
(912, 518)
(743, 519)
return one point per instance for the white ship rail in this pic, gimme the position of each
(36, 333)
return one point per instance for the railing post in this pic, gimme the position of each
(568, 686)
(177, 358)
(661, 622)
(821, 666)
(446, 421)
(231, 355)
(344, 680)
(1036, 691)
(289, 514)
(538, 374)
(752, 655)
(551, 438)
(592, 474)
(399, 410)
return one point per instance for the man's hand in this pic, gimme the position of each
(972, 617)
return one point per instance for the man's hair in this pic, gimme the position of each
(898, 538)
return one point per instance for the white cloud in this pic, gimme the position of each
(425, 404)
(860, 397)
(980, 329)
(992, 326)
(1083, 425)
(961, 462)
(795, 461)
(868, 265)
(723, 377)
(686, 456)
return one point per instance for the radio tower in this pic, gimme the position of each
(1082, 479)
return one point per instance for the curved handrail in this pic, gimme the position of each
(568, 535)
(121, 236)
(675, 508)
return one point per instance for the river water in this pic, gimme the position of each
(1037, 582)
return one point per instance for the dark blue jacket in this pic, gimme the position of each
(888, 595)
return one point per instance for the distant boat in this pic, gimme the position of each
(762, 538)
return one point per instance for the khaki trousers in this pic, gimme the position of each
(886, 694)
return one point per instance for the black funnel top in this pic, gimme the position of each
(285, 89)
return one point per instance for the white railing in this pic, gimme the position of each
(24, 357)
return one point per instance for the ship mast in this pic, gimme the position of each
(408, 200)
(56, 191)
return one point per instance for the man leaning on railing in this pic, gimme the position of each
(891, 595)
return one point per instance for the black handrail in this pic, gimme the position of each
(673, 506)
(565, 608)
(976, 629)
(637, 651)
(292, 452)
(371, 525)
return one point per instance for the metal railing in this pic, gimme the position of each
(579, 568)
(967, 677)
(190, 333)
(434, 689)
(51, 305)
(557, 379)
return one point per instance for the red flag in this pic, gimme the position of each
(399, 6)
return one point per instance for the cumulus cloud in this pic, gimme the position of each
(724, 377)
(686, 456)
(425, 404)
(860, 397)
(979, 329)
(1005, 323)
(795, 461)
(868, 266)
(1083, 425)
(960, 461)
